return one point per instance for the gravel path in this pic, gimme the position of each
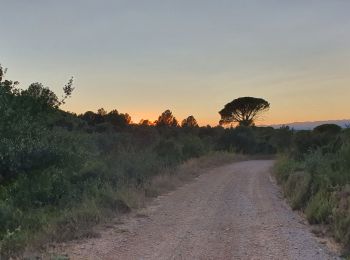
(230, 212)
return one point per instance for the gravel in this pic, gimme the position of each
(230, 212)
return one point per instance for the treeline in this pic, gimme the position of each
(315, 176)
(119, 121)
(61, 173)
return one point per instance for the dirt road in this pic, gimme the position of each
(231, 212)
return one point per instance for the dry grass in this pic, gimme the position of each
(187, 171)
(85, 219)
(132, 197)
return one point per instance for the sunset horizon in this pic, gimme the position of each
(190, 57)
(187, 129)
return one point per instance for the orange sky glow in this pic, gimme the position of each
(191, 57)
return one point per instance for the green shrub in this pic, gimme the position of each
(281, 139)
(12, 243)
(297, 188)
(193, 147)
(342, 216)
(240, 139)
(302, 144)
(283, 168)
(169, 151)
(332, 129)
(342, 228)
(320, 207)
(313, 171)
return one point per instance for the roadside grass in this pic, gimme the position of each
(79, 221)
(313, 187)
(192, 168)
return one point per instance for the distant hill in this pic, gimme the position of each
(312, 124)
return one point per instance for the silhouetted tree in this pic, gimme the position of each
(9, 87)
(2, 72)
(42, 94)
(327, 134)
(189, 122)
(91, 118)
(166, 119)
(328, 128)
(127, 118)
(145, 122)
(101, 111)
(243, 111)
(117, 119)
(67, 90)
(112, 116)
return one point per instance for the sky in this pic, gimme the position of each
(189, 56)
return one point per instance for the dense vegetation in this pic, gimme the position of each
(61, 173)
(315, 175)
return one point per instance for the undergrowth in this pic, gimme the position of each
(317, 182)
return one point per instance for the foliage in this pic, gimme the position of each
(240, 140)
(248, 140)
(145, 122)
(189, 122)
(243, 110)
(315, 176)
(319, 208)
(166, 119)
(62, 173)
(102, 119)
(328, 128)
(2, 72)
(282, 139)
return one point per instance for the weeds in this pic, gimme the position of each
(317, 180)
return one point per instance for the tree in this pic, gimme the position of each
(240, 139)
(102, 112)
(91, 118)
(328, 128)
(243, 111)
(127, 118)
(189, 122)
(118, 119)
(67, 90)
(166, 119)
(2, 72)
(145, 122)
(282, 138)
(42, 94)
(36, 91)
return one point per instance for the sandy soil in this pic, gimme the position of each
(231, 212)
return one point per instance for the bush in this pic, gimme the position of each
(320, 207)
(315, 177)
(282, 139)
(283, 168)
(332, 129)
(297, 188)
(169, 151)
(240, 140)
(193, 147)
(342, 216)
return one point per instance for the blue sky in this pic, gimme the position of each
(192, 57)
